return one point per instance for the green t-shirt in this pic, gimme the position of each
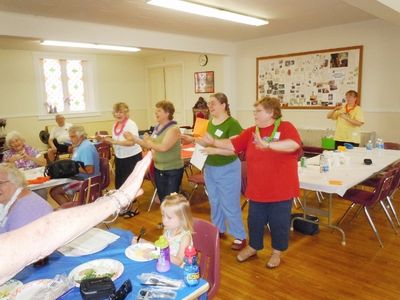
(230, 127)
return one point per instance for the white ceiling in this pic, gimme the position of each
(285, 16)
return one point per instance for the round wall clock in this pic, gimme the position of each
(203, 60)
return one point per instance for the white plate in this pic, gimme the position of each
(31, 290)
(8, 287)
(100, 267)
(140, 252)
(90, 242)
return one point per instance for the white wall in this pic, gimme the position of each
(380, 78)
(117, 78)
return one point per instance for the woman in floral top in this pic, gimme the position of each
(22, 155)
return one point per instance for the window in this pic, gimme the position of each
(66, 84)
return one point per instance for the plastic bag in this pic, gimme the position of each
(155, 293)
(157, 280)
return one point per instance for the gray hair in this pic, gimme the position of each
(79, 130)
(12, 135)
(13, 174)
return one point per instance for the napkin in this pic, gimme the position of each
(90, 242)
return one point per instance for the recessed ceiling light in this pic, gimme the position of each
(89, 46)
(208, 11)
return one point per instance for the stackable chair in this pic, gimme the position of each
(90, 190)
(391, 145)
(366, 199)
(206, 242)
(196, 180)
(151, 177)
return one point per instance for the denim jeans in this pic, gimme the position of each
(168, 181)
(223, 187)
(277, 215)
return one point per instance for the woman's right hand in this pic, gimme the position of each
(207, 140)
(187, 139)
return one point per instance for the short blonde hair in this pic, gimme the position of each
(270, 104)
(13, 174)
(178, 205)
(12, 135)
(121, 106)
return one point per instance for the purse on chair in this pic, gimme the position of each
(63, 168)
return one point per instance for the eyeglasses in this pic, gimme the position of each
(257, 111)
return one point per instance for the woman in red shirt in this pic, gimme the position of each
(271, 148)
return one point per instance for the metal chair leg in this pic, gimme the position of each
(320, 196)
(244, 204)
(393, 210)
(355, 215)
(345, 214)
(373, 226)
(152, 199)
(191, 194)
(388, 216)
(297, 202)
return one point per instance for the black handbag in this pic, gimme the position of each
(305, 227)
(65, 168)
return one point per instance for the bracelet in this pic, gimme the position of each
(115, 195)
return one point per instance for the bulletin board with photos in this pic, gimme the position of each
(310, 80)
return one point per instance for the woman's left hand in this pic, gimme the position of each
(258, 141)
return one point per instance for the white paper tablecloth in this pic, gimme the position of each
(350, 174)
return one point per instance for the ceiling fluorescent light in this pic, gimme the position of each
(89, 46)
(208, 11)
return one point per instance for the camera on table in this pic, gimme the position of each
(104, 288)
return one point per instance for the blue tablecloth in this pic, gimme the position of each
(60, 264)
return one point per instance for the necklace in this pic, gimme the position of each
(117, 132)
(158, 131)
(349, 109)
(271, 137)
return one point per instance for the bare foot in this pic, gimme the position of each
(274, 260)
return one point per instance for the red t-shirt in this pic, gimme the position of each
(271, 175)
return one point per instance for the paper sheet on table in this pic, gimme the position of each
(200, 127)
(198, 158)
(90, 242)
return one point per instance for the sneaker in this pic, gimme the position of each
(246, 253)
(238, 244)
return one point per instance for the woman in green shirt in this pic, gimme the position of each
(222, 173)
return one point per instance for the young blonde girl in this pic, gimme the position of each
(178, 226)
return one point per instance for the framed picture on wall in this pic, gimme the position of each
(311, 80)
(204, 82)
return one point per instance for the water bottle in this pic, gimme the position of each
(323, 163)
(191, 271)
(369, 145)
(163, 262)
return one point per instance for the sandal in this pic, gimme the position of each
(129, 214)
(275, 259)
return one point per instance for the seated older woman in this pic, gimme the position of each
(18, 205)
(22, 155)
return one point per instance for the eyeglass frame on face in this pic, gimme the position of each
(213, 103)
(258, 111)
